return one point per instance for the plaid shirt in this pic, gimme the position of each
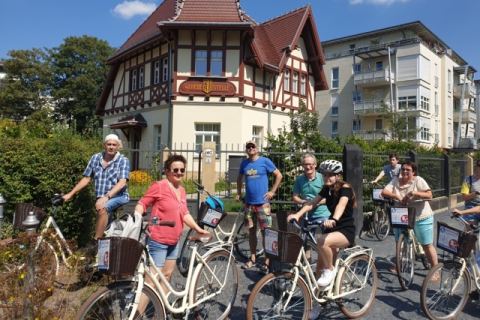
(106, 178)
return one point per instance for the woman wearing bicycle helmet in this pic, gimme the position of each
(339, 230)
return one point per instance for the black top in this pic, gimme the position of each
(332, 199)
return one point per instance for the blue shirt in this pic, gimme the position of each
(392, 172)
(106, 178)
(309, 189)
(256, 179)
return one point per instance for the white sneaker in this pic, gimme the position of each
(326, 278)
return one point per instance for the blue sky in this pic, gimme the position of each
(27, 24)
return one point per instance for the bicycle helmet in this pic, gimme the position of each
(215, 203)
(331, 166)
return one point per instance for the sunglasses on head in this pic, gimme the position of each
(251, 146)
(176, 170)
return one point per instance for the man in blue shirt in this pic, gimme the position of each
(390, 170)
(109, 170)
(256, 169)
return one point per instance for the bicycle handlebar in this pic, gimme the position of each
(57, 200)
(460, 218)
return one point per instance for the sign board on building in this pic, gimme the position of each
(209, 87)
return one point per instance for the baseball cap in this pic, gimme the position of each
(250, 143)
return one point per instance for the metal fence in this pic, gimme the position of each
(443, 174)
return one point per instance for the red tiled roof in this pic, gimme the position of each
(209, 11)
(149, 29)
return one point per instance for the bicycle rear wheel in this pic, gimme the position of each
(223, 283)
(405, 263)
(276, 296)
(351, 278)
(445, 297)
(381, 224)
(242, 244)
(115, 302)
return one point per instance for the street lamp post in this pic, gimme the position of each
(30, 223)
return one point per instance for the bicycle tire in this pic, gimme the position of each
(114, 302)
(204, 283)
(350, 277)
(405, 261)
(266, 301)
(436, 294)
(241, 242)
(381, 223)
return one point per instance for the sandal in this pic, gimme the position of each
(249, 264)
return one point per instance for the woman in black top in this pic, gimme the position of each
(339, 231)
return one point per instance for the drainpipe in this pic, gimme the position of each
(460, 113)
(270, 86)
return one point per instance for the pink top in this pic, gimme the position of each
(166, 207)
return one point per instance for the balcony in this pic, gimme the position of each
(468, 116)
(470, 90)
(370, 107)
(371, 134)
(374, 78)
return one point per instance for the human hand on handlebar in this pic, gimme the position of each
(456, 212)
(293, 216)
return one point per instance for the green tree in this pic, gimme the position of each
(79, 72)
(26, 86)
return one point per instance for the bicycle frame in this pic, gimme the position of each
(417, 247)
(220, 234)
(188, 293)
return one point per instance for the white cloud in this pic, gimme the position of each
(377, 2)
(128, 9)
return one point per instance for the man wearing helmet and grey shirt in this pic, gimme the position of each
(109, 169)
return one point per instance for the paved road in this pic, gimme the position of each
(391, 302)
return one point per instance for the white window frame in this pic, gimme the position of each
(335, 78)
(295, 82)
(165, 69)
(133, 78)
(156, 71)
(257, 135)
(286, 80)
(303, 84)
(158, 137)
(141, 77)
(205, 135)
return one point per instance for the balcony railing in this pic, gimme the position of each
(371, 134)
(374, 78)
(370, 107)
(468, 116)
(470, 90)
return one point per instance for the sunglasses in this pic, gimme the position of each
(176, 170)
(251, 146)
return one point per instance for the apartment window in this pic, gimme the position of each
(378, 124)
(407, 103)
(165, 70)
(303, 85)
(156, 72)
(257, 135)
(335, 78)
(334, 104)
(334, 128)
(352, 48)
(424, 103)
(133, 80)
(141, 77)
(201, 62)
(449, 80)
(286, 80)
(216, 62)
(425, 134)
(357, 96)
(206, 132)
(357, 68)
(357, 125)
(295, 82)
(334, 111)
(436, 104)
(379, 66)
(158, 138)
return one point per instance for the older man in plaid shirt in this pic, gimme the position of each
(109, 170)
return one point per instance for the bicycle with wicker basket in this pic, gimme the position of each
(210, 288)
(210, 215)
(289, 294)
(446, 287)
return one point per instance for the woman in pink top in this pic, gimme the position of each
(169, 203)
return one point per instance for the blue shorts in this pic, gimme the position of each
(116, 202)
(423, 231)
(161, 252)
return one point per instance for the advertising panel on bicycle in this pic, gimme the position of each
(271, 242)
(212, 217)
(103, 255)
(377, 194)
(448, 238)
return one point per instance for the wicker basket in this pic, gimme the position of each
(119, 256)
(402, 217)
(282, 246)
(455, 241)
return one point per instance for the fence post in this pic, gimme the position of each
(446, 175)
(353, 174)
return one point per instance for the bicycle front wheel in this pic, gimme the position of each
(277, 296)
(358, 281)
(445, 291)
(405, 263)
(116, 301)
(381, 224)
(218, 277)
(242, 244)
